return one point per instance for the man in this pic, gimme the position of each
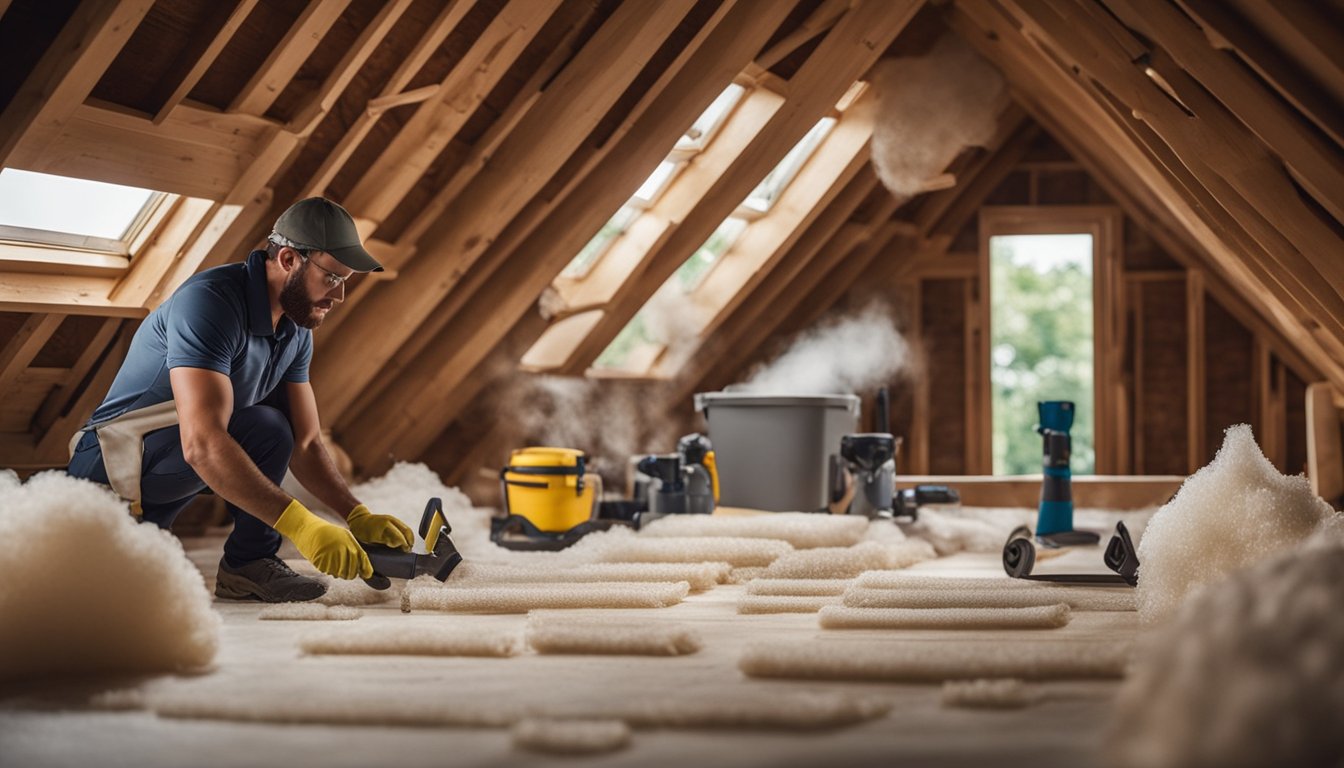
(214, 393)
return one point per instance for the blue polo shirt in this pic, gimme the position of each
(219, 320)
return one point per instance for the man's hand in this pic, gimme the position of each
(331, 548)
(380, 529)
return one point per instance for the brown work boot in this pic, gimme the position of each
(268, 580)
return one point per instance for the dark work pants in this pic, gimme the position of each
(168, 483)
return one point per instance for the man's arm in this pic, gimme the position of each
(204, 405)
(311, 463)
(313, 467)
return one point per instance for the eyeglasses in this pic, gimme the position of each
(330, 279)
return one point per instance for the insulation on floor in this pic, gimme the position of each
(1249, 672)
(605, 635)
(785, 603)
(413, 641)
(521, 598)
(570, 737)
(87, 589)
(909, 580)
(1236, 511)
(308, 612)
(848, 562)
(625, 546)
(355, 593)
(786, 711)
(1004, 693)
(700, 576)
(813, 587)
(801, 529)
(933, 661)
(1034, 617)
(1077, 598)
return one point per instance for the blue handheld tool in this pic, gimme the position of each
(1055, 515)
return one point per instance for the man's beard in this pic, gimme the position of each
(296, 305)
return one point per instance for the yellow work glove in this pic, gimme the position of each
(331, 548)
(380, 529)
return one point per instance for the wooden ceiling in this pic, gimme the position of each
(481, 144)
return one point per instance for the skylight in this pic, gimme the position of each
(774, 183)
(56, 210)
(657, 181)
(614, 228)
(702, 130)
(693, 270)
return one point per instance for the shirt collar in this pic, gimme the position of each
(259, 301)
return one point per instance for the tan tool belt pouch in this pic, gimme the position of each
(122, 441)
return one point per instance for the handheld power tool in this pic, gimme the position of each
(442, 556)
(1054, 521)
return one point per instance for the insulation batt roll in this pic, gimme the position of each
(785, 603)
(802, 530)
(1077, 598)
(1034, 617)
(521, 598)
(933, 661)
(602, 635)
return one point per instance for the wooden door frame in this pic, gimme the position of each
(1105, 224)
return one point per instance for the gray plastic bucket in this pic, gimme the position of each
(774, 452)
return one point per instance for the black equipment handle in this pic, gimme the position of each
(1019, 557)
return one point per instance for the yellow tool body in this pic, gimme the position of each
(549, 487)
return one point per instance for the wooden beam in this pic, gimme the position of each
(58, 399)
(203, 46)
(1320, 167)
(68, 71)
(308, 116)
(564, 115)
(1196, 386)
(1217, 18)
(1325, 463)
(1220, 153)
(649, 233)
(1050, 93)
(838, 161)
(24, 345)
(822, 19)
(849, 49)
(287, 56)
(53, 447)
(803, 257)
(453, 351)
(423, 137)
(149, 265)
(434, 35)
(196, 152)
(65, 294)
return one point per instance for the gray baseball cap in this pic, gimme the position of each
(319, 224)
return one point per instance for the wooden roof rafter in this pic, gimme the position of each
(1066, 104)
(867, 29)
(536, 257)
(526, 159)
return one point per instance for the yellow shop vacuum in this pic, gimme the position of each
(550, 499)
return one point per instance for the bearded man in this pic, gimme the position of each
(214, 393)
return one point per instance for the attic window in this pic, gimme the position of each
(73, 214)
(704, 127)
(614, 228)
(768, 191)
(692, 271)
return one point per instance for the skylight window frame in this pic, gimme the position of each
(77, 244)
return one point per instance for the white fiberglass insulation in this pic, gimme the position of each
(87, 589)
(1236, 511)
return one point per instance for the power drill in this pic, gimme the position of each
(1054, 521)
